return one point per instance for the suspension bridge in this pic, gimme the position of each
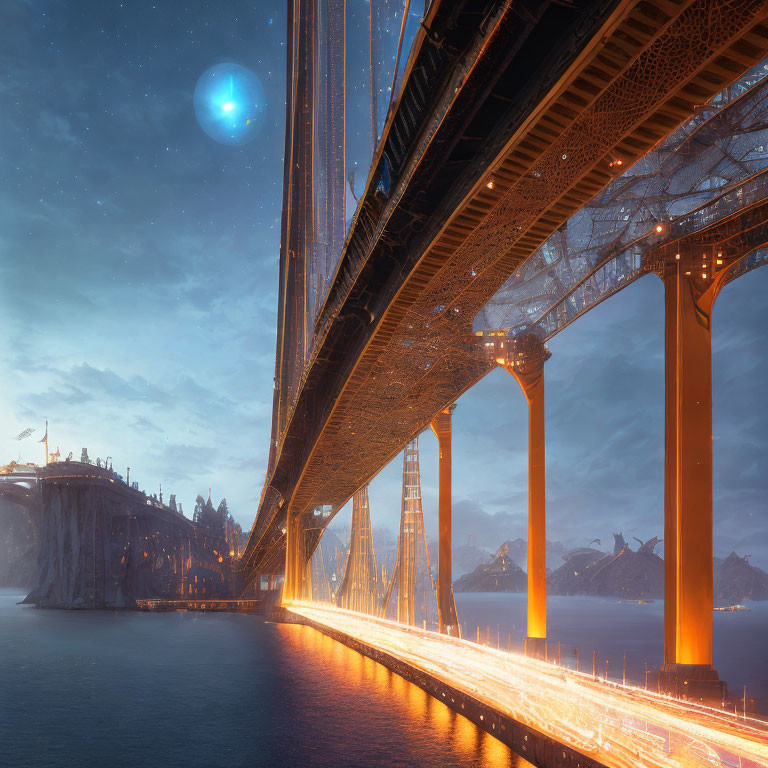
(508, 193)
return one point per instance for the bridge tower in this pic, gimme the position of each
(411, 597)
(524, 358)
(446, 605)
(359, 589)
(329, 127)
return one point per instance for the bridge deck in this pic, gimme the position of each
(476, 193)
(606, 723)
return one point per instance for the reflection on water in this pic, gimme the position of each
(358, 675)
(83, 688)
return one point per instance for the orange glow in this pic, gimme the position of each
(500, 360)
(363, 676)
(619, 725)
(490, 185)
(659, 228)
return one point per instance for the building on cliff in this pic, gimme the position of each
(102, 543)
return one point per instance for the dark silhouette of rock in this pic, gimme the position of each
(626, 573)
(517, 550)
(630, 574)
(647, 547)
(571, 577)
(502, 574)
(736, 581)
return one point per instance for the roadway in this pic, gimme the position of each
(617, 725)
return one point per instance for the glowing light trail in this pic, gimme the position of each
(618, 725)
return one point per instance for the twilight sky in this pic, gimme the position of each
(138, 294)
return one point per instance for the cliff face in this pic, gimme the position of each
(736, 581)
(100, 550)
(103, 545)
(502, 574)
(18, 542)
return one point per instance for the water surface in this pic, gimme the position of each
(613, 629)
(97, 688)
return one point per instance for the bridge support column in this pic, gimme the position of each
(688, 567)
(446, 605)
(524, 358)
(292, 581)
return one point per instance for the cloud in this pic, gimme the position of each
(138, 294)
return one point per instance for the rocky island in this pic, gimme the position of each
(626, 573)
(502, 574)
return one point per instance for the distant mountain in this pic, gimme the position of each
(627, 573)
(502, 574)
(465, 558)
(571, 577)
(632, 574)
(736, 581)
(518, 551)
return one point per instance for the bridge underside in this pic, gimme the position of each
(392, 344)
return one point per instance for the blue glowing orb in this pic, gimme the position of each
(229, 103)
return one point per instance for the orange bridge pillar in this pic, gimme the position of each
(293, 576)
(524, 358)
(690, 287)
(446, 606)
